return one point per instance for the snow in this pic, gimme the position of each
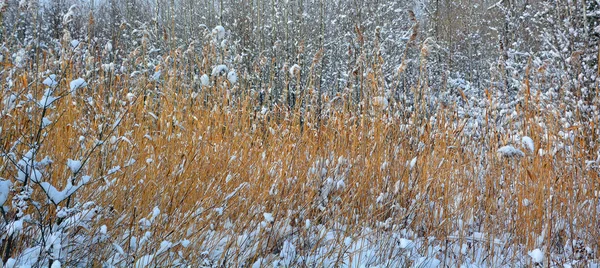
(406, 244)
(57, 196)
(74, 43)
(268, 217)
(510, 151)
(288, 253)
(114, 170)
(13, 227)
(220, 70)
(28, 257)
(27, 169)
(528, 143)
(537, 256)
(10, 263)
(164, 246)
(144, 261)
(68, 17)
(381, 102)
(47, 99)
(219, 32)
(413, 162)
(4, 190)
(155, 213)
(156, 76)
(334, 237)
(295, 69)
(76, 84)
(232, 77)
(46, 122)
(50, 81)
(428, 262)
(205, 80)
(130, 97)
(56, 264)
(74, 165)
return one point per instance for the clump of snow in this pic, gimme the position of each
(108, 67)
(56, 264)
(268, 217)
(164, 246)
(509, 151)
(26, 168)
(413, 162)
(76, 84)
(130, 97)
(232, 77)
(20, 58)
(74, 165)
(144, 261)
(156, 76)
(114, 170)
(219, 32)
(10, 102)
(381, 102)
(68, 17)
(428, 262)
(220, 70)
(340, 185)
(46, 122)
(528, 143)
(4, 190)
(108, 46)
(28, 258)
(50, 81)
(288, 253)
(205, 80)
(14, 227)
(74, 43)
(47, 99)
(537, 256)
(406, 244)
(57, 196)
(295, 70)
(155, 213)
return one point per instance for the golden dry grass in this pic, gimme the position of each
(217, 150)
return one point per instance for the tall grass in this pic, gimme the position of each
(214, 159)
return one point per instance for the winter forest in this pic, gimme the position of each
(299, 133)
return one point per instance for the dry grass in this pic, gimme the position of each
(217, 151)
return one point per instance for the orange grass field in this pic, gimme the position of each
(213, 161)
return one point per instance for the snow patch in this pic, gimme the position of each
(509, 151)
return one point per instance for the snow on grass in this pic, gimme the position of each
(510, 151)
(537, 256)
(220, 70)
(232, 77)
(219, 32)
(57, 196)
(204, 79)
(74, 165)
(144, 261)
(50, 81)
(47, 99)
(528, 143)
(268, 217)
(77, 84)
(4, 190)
